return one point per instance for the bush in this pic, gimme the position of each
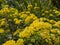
(29, 22)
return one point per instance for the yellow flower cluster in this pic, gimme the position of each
(17, 21)
(12, 42)
(40, 25)
(57, 24)
(16, 32)
(44, 29)
(29, 6)
(27, 27)
(9, 12)
(27, 32)
(22, 15)
(1, 30)
(35, 26)
(36, 8)
(20, 42)
(2, 22)
(30, 18)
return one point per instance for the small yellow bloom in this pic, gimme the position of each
(43, 14)
(15, 14)
(17, 21)
(27, 12)
(20, 42)
(57, 24)
(26, 33)
(10, 42)
(17, 31)
(36, 8)
(28, 19)
(53, 31)
(57, 12)
(58, 31)
(1, 30)
(2, 23)
(23, 15)
(51, 14)
(46, 11)
(29, 6)
(52, 21)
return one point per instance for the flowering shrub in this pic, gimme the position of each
(34, 24)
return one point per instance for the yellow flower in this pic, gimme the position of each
(46, 11)
(58, 31)
(27, 12)
(44, 19)
(52, 21)
(50, 10)
(22, 12)
(53, 31)
(43, 14)
(43, 35)
(32, 16)
(12, 9)
(1, 30)
(17, 31)
(53, 36)
(29, 6)
(3, 19)
(31, 29)
(51, 14)
(2, 23)
(40, 25)
(6, 10)
(10, 42)
(17, 21)
(58, 14)
(36, 8)
(23, 15)
(57, 24)
(28, 19)
(57, 11)
(15, 14)
(54, 10)
(20, 42)
(26, 33)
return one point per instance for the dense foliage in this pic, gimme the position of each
(29, 22)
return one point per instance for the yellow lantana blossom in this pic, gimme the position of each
(17, 21)
(29, 6)
(2, 23)
(26, 33)
(53, 31)
(17, 31)
(1, 30)
(10, 42)
(20, 42)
